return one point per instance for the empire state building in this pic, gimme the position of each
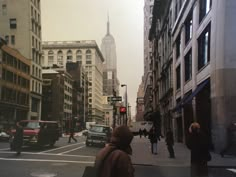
(108, 48)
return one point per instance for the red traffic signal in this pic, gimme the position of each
(122, 110)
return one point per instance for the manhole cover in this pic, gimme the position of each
(43, 174)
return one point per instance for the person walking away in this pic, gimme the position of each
(72, 132)
(170, 143)
(153, 140)
(18, 138)
(145, 132)
(140, 132)
(114, 160)
(199, 145)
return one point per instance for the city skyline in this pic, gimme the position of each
(89, 23)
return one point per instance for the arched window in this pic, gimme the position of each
(50, 57)
(59, 57)
(69, 56)
(78, 55)
(88, 55)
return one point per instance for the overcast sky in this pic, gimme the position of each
(64, 20)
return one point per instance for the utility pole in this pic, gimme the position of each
(114, 110)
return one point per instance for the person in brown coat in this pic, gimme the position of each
(199, 145)
(114, 160)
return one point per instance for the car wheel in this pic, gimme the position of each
(52, 143)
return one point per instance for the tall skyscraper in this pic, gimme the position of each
(20, 26)
(108, 48)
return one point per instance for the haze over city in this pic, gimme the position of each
(74, 20)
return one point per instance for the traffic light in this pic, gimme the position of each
(122, 110)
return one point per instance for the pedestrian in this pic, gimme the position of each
(114, 160)
(72, 132)
(140, 133)
(199, 145)
(170, 143)
(145, 132)
(230, 139)
(18, 139)
(153, 137)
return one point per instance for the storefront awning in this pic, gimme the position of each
(189, 98)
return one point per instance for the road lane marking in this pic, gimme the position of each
(60, 147)
(47, 154)
(45, 160)
(232, 170)
(71, 150)
(4, 149)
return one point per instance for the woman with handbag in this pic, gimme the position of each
(198, 143)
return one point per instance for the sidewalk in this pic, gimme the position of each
(142, 155)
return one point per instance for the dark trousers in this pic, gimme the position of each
(72, 136)
(199, 169)
(171, 150)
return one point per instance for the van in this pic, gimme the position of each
(98, 135)
(38, 133)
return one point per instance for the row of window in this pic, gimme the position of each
(36, 57)
(68, 89)
(67, 97)
(36, 3)
(14, 62)
(36, 86)
(36, 71)
(10, 39)
(69, 57)
(203, 57)
(67, 106)
(13, 96)
(15, 79)
(36, 43)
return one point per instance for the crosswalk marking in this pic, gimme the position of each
(46, 160)
(47, 154)
(231, 169)
(71, 150)
(60, 147)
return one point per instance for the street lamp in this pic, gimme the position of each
(126, 102)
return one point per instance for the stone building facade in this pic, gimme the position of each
(22, 30)
(203, 67)
(89, 56)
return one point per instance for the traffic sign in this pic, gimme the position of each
(117, 98)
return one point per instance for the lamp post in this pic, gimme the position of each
(126, 102)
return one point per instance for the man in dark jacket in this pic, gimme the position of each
(72, 132)
(170, 143)
(199, 145)
(18, 138)
(113, 160)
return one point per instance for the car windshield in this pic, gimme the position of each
(99, 129)
(30, 125)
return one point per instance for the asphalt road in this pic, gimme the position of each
(70, 160)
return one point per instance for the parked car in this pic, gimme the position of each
(4, 136)
(38, 133)
(98, 134)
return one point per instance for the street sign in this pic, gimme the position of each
(117, 98)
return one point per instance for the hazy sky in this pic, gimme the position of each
(64, 20)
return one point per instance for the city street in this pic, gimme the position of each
(65, 160)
